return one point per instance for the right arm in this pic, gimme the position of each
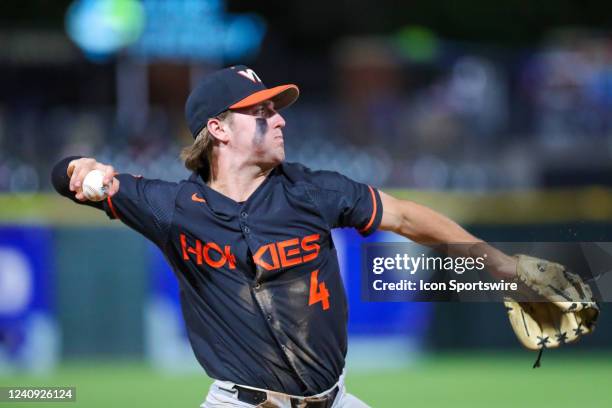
(144, 205)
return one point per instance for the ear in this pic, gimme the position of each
(218, 129)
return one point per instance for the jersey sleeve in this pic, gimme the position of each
(346, 203)
(144, 205)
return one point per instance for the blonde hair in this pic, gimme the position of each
(197, 157)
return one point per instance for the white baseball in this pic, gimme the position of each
(93, 188)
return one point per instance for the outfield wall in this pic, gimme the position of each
(102, 270)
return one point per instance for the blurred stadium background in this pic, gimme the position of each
(497, 114)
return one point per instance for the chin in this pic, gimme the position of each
(278, 161)
(279, 157)
(271, 162)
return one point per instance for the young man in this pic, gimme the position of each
(248, 236)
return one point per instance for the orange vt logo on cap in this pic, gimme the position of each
(249, 74)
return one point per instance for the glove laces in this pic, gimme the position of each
(537, 362)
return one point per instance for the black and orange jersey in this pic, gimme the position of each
(260, 285)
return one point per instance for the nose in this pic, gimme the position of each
(278, 122)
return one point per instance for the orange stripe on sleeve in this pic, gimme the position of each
(112, 208)
(373, 211)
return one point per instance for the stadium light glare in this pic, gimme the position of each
(103, 27)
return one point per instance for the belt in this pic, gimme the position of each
(256, 397)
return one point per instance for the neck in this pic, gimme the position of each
(236, 181)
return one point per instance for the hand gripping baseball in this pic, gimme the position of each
(78, 169)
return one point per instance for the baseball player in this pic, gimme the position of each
(248, 237)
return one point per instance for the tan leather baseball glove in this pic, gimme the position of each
(563, 309)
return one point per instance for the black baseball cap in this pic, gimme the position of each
(232, 88)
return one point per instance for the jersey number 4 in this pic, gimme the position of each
(318, 291)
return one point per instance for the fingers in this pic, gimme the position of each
(80, 196)
(114, 187)
(109, 173)
(78, 175)
(109, 178)
(70, 168)
(78, 169)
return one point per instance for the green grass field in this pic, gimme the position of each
(483, 380)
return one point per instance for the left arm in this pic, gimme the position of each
(428, 227)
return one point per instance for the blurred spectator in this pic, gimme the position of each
(474, 121)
